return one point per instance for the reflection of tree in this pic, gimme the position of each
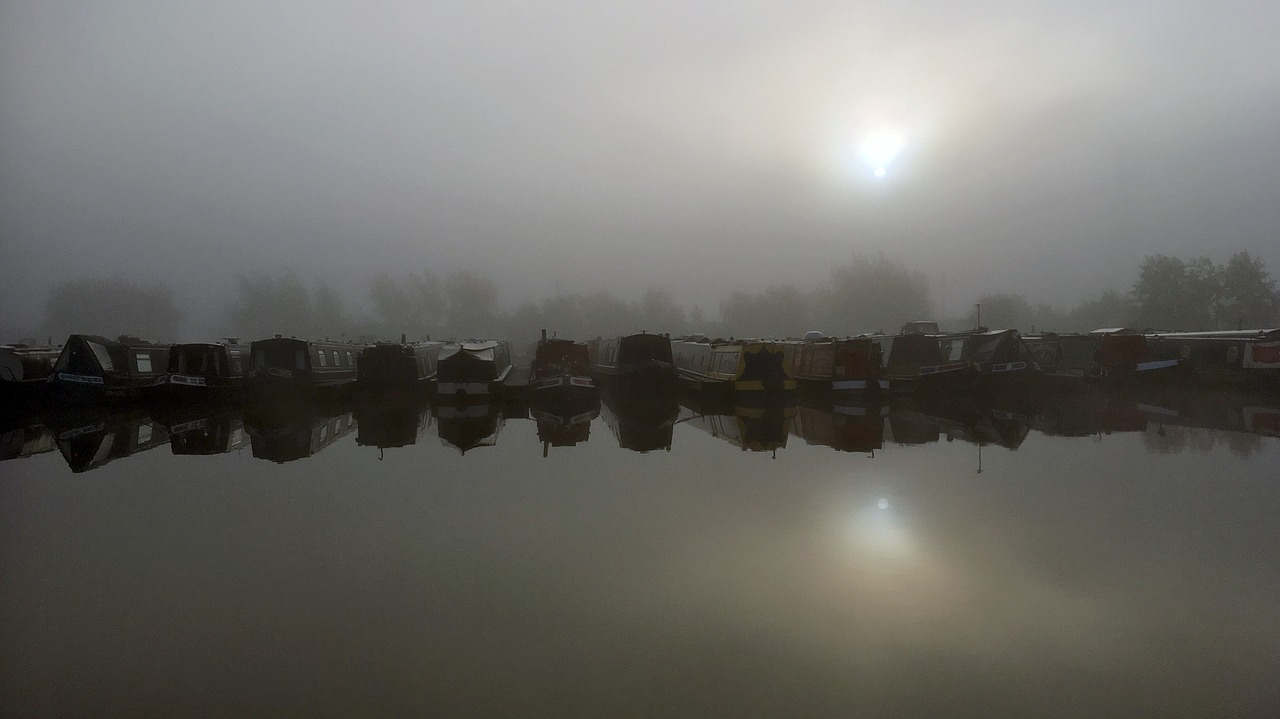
(112, 307)
(1174, 439)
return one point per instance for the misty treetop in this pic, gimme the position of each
(112, 307)
(868, 294)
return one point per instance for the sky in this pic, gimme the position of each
(701, 148)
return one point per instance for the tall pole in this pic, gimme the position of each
(978, 305)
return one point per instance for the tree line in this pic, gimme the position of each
(867, 294)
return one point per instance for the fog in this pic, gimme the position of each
(696, 149)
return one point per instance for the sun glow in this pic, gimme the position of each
(880, 146)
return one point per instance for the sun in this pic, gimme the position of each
(879, 146)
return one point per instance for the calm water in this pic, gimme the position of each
(1102, 557)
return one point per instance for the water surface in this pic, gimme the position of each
(1098, 557)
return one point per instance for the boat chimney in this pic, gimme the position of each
(544, 335)
(401, 338)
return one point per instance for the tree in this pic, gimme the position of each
(112, 307)
(1110, 309)
(869, 295)
(1248, 295)
(1172, 294)
(412, 305)
(473, 303)
(1004, 310)
(779, 311)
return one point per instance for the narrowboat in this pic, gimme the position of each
(473, 369)
(468, 427)
(641, 421)
(914, 364)
(288, 368)
(757, 367)
(1111, 357)
(95, 369)
(1243, 358)
(404, 368)
(203, 372)
(845, 366)
(293, 435)
(639, 361)
(560, 376)
(25, 371)
(1001, 359)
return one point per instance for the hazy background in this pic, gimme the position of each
(696, 149)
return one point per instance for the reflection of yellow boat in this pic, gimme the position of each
(755, 429)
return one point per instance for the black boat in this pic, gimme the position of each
(560, 376)
(287, 368)
(914, 363)
(91, 437)
(405, 368)
(203, 372)
(473, 369)
(387, 424)
(634, 362)
(1242, 358)
(1003, 362)
(95, 369)
(25, 371)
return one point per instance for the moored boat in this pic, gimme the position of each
(288, 368)
(846, 366)
(25, 371)
(1000, 357)
(202, 372)
(96, 369)
(1242, 358)
(914, 364)
(638, 361)
(472, 369)
(560, 374)
(755, 367)
(404, 368)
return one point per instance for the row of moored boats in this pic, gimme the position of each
(919, 360)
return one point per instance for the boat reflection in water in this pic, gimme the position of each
(641, 421)
(558, 428)
(288, 432)
(213, 433)
(754, 429)
(91, 439)
(468, 426)
(27, 439)
(388, 424)
(845, 427)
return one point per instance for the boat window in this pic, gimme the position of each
(104, 357)
(320, 355)
(144, 434)
(350, 362)
(336, 362)
(237, 367)
(143, 360)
